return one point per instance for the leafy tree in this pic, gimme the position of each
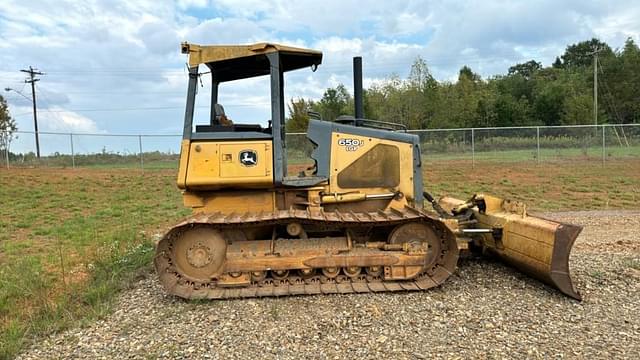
(631, 48)
(515, 85)
(467, 73)
(526, 70)
(629, 94)
(548, 104)
(420, 92)
(334, 102)
(8, 126)
(577, 109)
(620, 84)
(370, 111)
(445, 110)
(486, 115)
(298, 119)
(420, 77)
(511, 111)
(389, 101)
(580, 54)
(467, 92)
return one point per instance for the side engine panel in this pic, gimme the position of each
(371, 165)
(211, 165)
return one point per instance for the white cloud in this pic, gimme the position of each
(619, 26)
(185, 4)
(227, 31)
(57, 119)
(407, 23)
(159, 37)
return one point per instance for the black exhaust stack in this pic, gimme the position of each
(357, 87)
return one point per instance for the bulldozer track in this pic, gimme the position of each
(273, 285)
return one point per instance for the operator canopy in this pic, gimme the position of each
(234, 62)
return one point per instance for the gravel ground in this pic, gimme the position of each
(486, 310)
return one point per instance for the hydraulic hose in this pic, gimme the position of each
(442, 212)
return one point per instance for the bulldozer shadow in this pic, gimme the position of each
(482, 274)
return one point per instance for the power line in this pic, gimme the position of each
(48, 105)
(140, 108)
(21, 114)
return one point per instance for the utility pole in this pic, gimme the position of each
(595, 52)
(595, 86)
(32, 80)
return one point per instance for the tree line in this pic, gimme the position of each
(528, 95)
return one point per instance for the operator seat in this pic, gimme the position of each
(220, 117)
(221, 123)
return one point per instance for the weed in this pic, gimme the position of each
(196, 303)
(274, 311)
(598, 274)
(632, 263)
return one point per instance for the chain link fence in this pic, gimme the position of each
(93, 150)
(600, 143)
(532, 144)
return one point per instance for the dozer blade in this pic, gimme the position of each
(536, 246)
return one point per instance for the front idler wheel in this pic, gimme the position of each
(199, 254)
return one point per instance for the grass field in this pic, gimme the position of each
(70, 239)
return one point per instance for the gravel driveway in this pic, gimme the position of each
(485, 310)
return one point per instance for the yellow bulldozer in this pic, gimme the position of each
(353, 222)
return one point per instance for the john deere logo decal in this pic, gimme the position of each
(248, 158)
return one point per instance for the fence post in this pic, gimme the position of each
(6, 152)
(73, 154)
(604, 147)
(538, 143)
(473, 149)
(141, 156)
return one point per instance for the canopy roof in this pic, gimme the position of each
(233, 62)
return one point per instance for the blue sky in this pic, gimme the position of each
(115, 67)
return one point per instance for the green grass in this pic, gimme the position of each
(70, 240)
(597, 274)
(45, 309)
